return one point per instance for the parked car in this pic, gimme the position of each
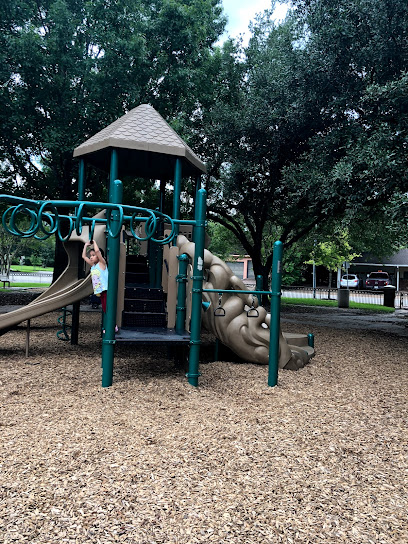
(351, 281)
(377, 280)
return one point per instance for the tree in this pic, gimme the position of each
(222, 244)
(69, 68)
(9, 248)
(333, 253)
(313, 125)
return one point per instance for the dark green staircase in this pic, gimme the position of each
(144, 305)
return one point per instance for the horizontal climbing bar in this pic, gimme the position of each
(245, 292)
(45, 219)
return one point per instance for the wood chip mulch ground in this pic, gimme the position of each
(322, 458)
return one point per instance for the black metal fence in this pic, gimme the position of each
(363, 296)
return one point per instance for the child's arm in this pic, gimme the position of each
(101, 260)
(85, 258)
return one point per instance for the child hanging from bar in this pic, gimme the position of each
(99, 272)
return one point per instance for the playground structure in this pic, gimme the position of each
(174, 285)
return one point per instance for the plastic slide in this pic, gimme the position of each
(66, 290)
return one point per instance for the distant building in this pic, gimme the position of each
(396, 266)
(242, 267)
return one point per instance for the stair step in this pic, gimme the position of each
(137, 277)
(136, 267)
(149, 293)
(144, 305)
(136, 259)
(146, 319)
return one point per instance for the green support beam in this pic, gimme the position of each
(274, 327)
(81, 180)
(181, 279)
(108, 342)
(196, 297)
(114, 172)
(177, 194)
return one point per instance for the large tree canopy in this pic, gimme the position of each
(311, 122)
(68, 68)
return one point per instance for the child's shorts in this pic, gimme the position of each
(103, 300)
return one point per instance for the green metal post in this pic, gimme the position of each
(108, 342)
(310, 340)
(81, 180)
(177, 195)
(181, 278)
(159, 247)
(81, 273)
(274, 327)
(196, 297)
(114, 172)
(259, 286)
(197, 187)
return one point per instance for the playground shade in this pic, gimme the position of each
(146, 144)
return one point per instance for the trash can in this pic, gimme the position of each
(343, 298)
(389, 296)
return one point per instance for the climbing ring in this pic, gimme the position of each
(48, 216)
(219, 310)
(253, 312)
(79, 218)
(151, 225)
(92, 230)
(165, 218)
(111, 218)
(70, 227)
(12, 226)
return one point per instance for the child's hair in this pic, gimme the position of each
(102, 253)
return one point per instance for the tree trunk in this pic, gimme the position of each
(330, 281)
(60, 259)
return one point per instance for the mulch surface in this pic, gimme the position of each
(321, 458)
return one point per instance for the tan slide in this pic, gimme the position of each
(67, 289)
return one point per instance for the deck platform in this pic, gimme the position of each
(152, 335)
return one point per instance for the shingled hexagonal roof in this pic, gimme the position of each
(147, 146)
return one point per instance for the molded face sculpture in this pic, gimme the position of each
(245, 326)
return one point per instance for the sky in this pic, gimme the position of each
(241, 12)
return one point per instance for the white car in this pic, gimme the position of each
(350, 280)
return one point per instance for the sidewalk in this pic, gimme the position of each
(339, 318)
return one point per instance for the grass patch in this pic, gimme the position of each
(333, 304)
(26, 268)
(35, 285)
